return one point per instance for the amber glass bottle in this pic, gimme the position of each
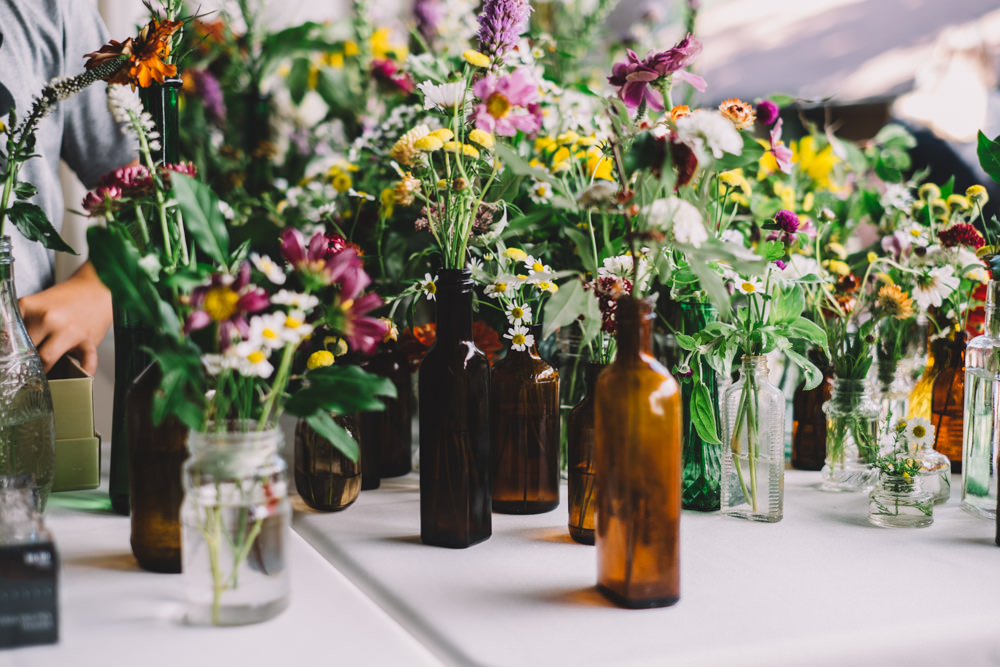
(948, 401)
(391, 428)
(325, 478)
(156, 454)
(525, 424)
(809, 420)
(581, 484)
(454, 405)
(638, 424)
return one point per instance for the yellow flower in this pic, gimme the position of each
(808, 201)
(895, 302)
(388, 199)
(559, 159)
(515, 254)
(476, 59)
(837, 267)
(429, 143)
(470, 151)
(384, 49)
(836, 250)
(546, 286)
(481, 137)
(444, 134)
(544, 144)
(351, 48)
(599, 165)
(568, 138)
(958, 204)
(320, 359)
(817, 164)
(885, 278)
(404, 151)
(734, 179)
(334, 59)
(403, 192)
(452, 146)
(787, 195)
(928, 192)
(871, 256)
(976, 193)
(220, 303)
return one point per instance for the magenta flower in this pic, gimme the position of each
(102, 199)
(634, 78)
(226, 300)
(767, 112)
(500, 27)
(782, 153)
(135, 177)
(788, 227)
(386, 71)
(350, 318)
(509, 104)
(310, 259)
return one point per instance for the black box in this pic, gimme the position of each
(28, 594)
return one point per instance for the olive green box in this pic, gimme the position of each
(78, 447)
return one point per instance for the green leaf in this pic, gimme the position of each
(752, 152)
(297, 80)
(895, 136)
(813, 374)
(787, 305)
(808, 330)
(565, 306)
(686, 342)
(584, 249)
(323, 424)
(34, 225)
(773, 250)
(342, 390)
(202, 218)
(24, 190)
(989, 155)
(703, 415)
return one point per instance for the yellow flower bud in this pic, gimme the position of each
(429, 143)
(515, 254)
(320, 359)
(977, 195)
(476, 59)
(470, 151)
(481, 137)
(444, 134)
(928, 192)
(871, 257)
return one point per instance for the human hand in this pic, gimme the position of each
(73, 316)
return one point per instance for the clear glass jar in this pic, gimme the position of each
(900, 502)
(982, 401)
(27, 425)
(753, 436)
(935, 476)
(852, 418)
(235, 518)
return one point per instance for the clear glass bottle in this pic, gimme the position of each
(753, 439)
(935, 476)
(235, 519)
(27, 425)
(852, 419)
(982, 403)
(900, 502)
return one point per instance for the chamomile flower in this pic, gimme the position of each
(252, 360)
(540, 192)
(919, 432)
(518, 314)
(519, 337)
(271, 269)
(268, 330)
(295, 328)
(429, 286)
(537, 272)
(547, 286)
(296, 300)
(934, 286)
(501, 286)
(443, 97)
(748, 286)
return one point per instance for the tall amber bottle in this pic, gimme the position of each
(325, 478)
(948, 401)
(454, 408)
(582, 482)
(638, 424)
(156, 455)
(809, 420)
(391, 429)
(524, 421)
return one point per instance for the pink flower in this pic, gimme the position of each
(634, 77)
(509, 104)
(363, 333)
(782, 153)
(226, 300)
(387, 72)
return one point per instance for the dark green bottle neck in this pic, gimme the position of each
(454, 304)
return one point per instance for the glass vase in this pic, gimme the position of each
(700, 485)
(900, 502)
(524, 394)
(808, 418)
(638, 422)
(156, 455)
(581, 485)
(454, 390)
(27, 425)
(948, 400)
(236, 518)
(753, 428)
(325, 478)
(391, 429)
(852, 430)
(982, 405)
(935, 473)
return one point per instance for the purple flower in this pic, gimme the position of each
(428, 14)
(226, 300)
(787, 221)
(387, 72)
(500, 27)
(781, 264)
(782, 153)
(767, 112)
(210, 91)
(509, 104)
(634, 77)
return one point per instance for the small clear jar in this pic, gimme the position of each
(899, 501)
(935, 473)
(852, 418)
(235, 518)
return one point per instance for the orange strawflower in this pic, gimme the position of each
(146, 54)
(679, 111)
(739, 112)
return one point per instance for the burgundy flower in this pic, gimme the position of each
(500, 27)
(608, 289)
(387, 72)
(186, 168)
(226, 300)
(685, 162)
(102, 199)
(961, 233)
(334, 244)
(788, 227)
(767, 112)
(634, 77)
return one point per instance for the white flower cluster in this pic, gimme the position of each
(125, 108)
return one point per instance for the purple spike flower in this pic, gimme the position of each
(500, 27)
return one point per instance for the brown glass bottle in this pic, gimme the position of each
(391, 429)
(454, 400)
(809, 420)
(581, 485)
(948, 399)
(525, 422)
(325, 479)
(156, 455)
(638, 424)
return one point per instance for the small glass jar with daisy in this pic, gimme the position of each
(898, 498)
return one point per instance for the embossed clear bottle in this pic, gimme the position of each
(982, 401)
(27, 427)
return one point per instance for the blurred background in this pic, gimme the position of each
(854, 64)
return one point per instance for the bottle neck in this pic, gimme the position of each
(13, 336)
(635, 327)
(754, 367)
(590, 374)
(454, 304)
(991, 327)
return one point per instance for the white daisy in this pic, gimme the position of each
(501, 286)
(934, 286)
(920, 432)
(251, 360)
(270, 268)
(518, 314)
(268, 330)
(445, 96)
(540, 192)
(296, 300)
(547, 286)
(519, 337)
(429, 286)
(537, 272)
(216, 363)
(748, 286)
(295, 328)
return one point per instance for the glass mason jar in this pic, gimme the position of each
(900, 502)
(391, 429)
(454, 406)
(753, 436)
(156, 456)
(236, 518)
(524, 393)
(852, 429)
(27, 425)
(637, 433)
(948, 400)
(581, 485)
(325, 478)
(982, 403)
(700, 485)
(808, 418)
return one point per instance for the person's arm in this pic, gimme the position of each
(73, 316)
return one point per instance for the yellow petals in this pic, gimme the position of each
(515, 254)
(977, 194)
(404, 150)
(470, 151)
(429, 143)
(928, 192)
(836, 250)
(476, 59)
(481, 137)
(444, 134)
(320, 359)
(871, 257)
(837, 267)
